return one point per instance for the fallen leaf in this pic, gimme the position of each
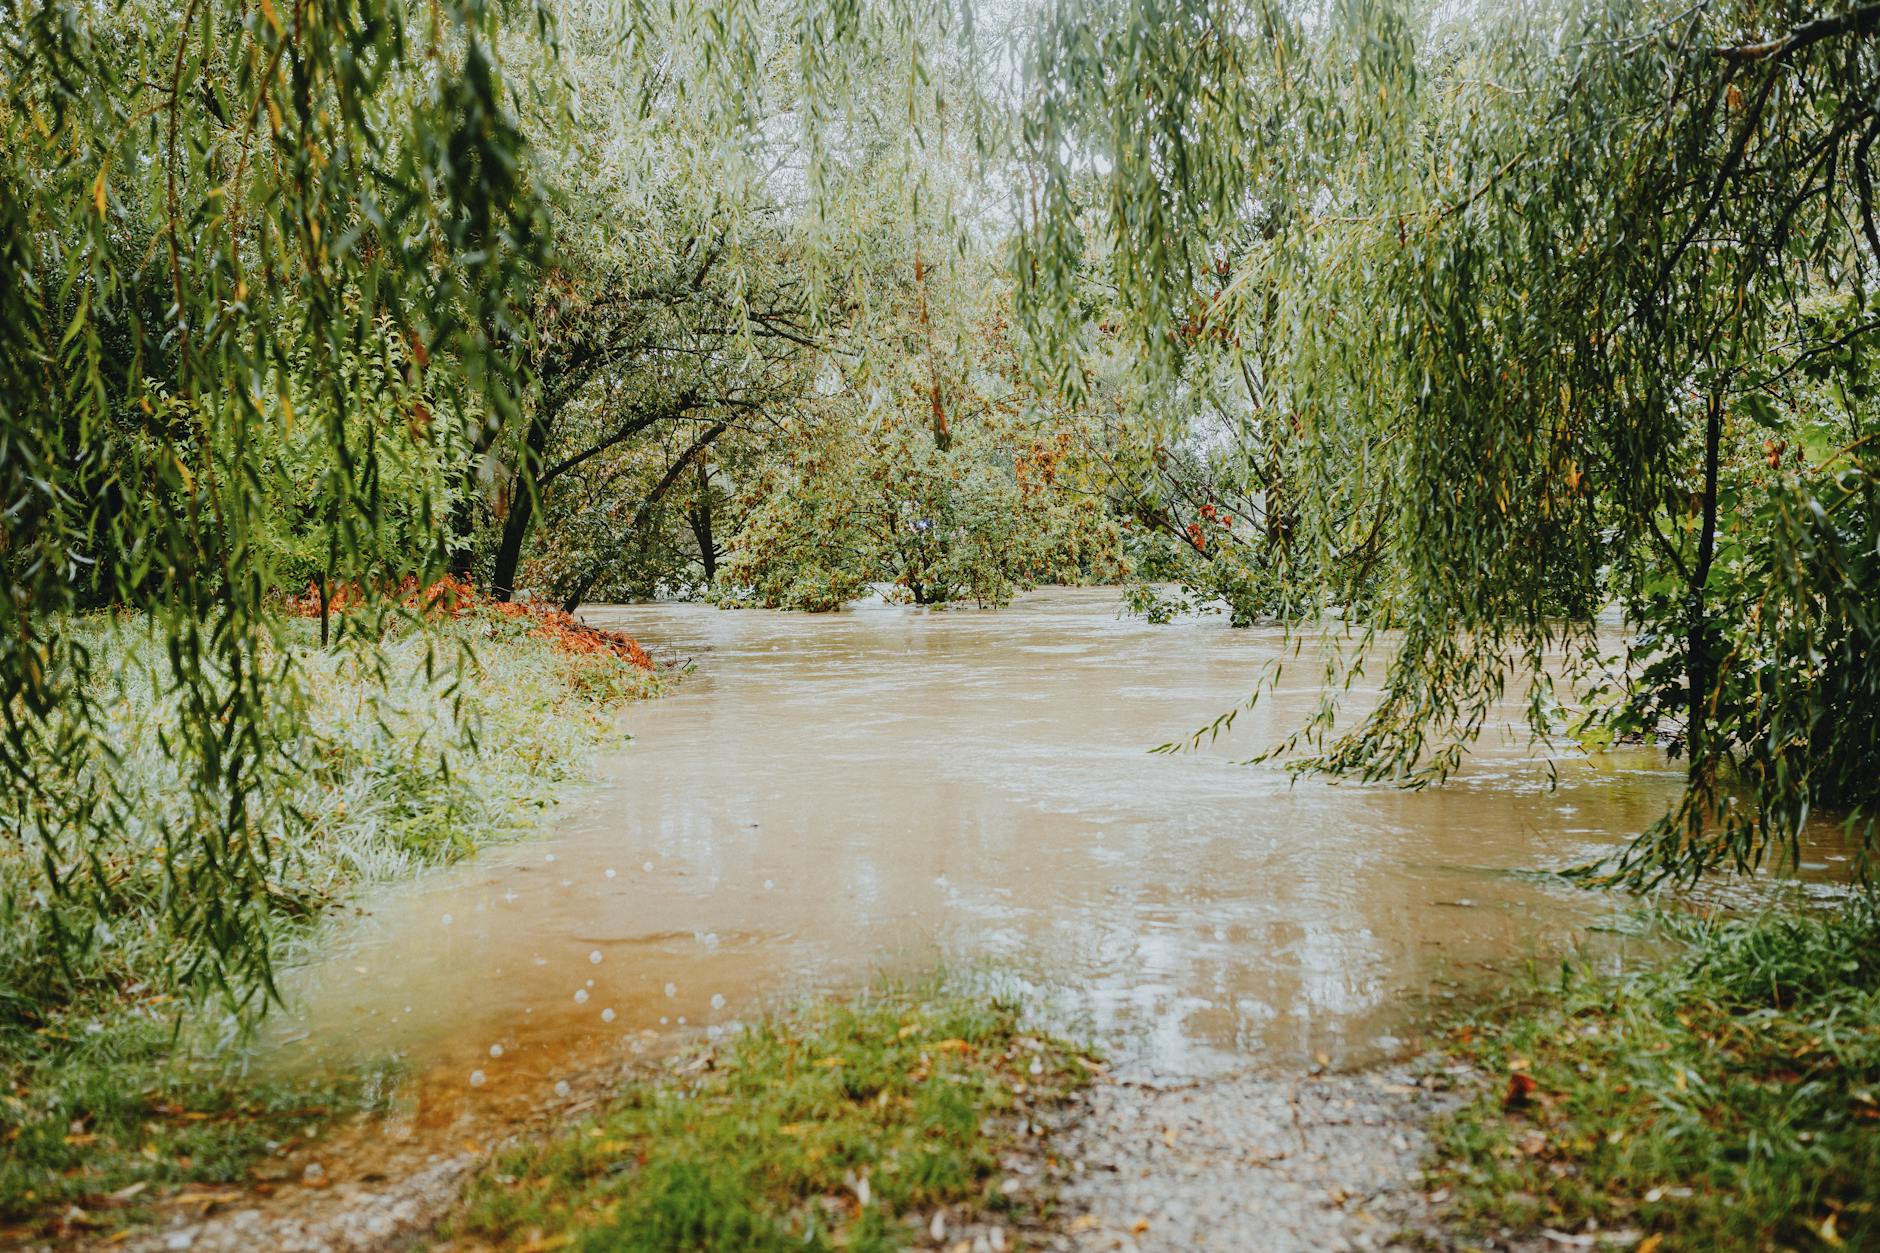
(1650, 1243)
(1521, 1088)
(1142, 1225)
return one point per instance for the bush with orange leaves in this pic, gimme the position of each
(453, 597)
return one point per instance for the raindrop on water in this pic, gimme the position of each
(476, 1078)
(607, 1015)
(562, 1088)
(448, 920)
(496, 1050)
(769, 884)
(610, 872)
(672, 989)
(663, 1020)
(580, 996)
(682, 1020)
(548, 857)
(647, 866)
(595, 957)
(718, 1000)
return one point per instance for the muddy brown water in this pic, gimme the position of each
(834, 797)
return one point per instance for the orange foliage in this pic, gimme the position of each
(452, 597)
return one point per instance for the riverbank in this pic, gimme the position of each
(1723, 1100)
(1727, 1100)
(123, 1097)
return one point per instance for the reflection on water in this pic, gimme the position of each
(833, 796)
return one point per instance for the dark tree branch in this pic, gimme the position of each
(1861, 21)
(645, 511)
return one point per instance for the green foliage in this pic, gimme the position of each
(108, 1067)
(886, 505)
(823, 1129)
(248, 250)
(397, 761)
(1729, 1101)
(1499, 289)
(1792, 710)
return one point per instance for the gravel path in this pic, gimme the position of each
(1318, 1163)
(355, 1217)
(1313, 1164)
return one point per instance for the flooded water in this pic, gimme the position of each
(828, 798)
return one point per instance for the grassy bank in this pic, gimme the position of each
(843, 1126)
(417, 749)
(1728, 1101)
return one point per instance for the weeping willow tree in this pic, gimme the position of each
(1543, 279)
(276, 275)
(256, 256)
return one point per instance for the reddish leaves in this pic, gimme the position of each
(452, 597)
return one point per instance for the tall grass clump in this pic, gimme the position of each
(1729, 1100)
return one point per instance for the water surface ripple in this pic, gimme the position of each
(831, 796)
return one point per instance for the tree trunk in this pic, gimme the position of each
(463, 514)
(1697, 661)
(515, 531)
(702, 525)
(522, 493)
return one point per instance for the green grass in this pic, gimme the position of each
(1729, 1101)
(111, 1076)
(837, 1127)
(103, 1126)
